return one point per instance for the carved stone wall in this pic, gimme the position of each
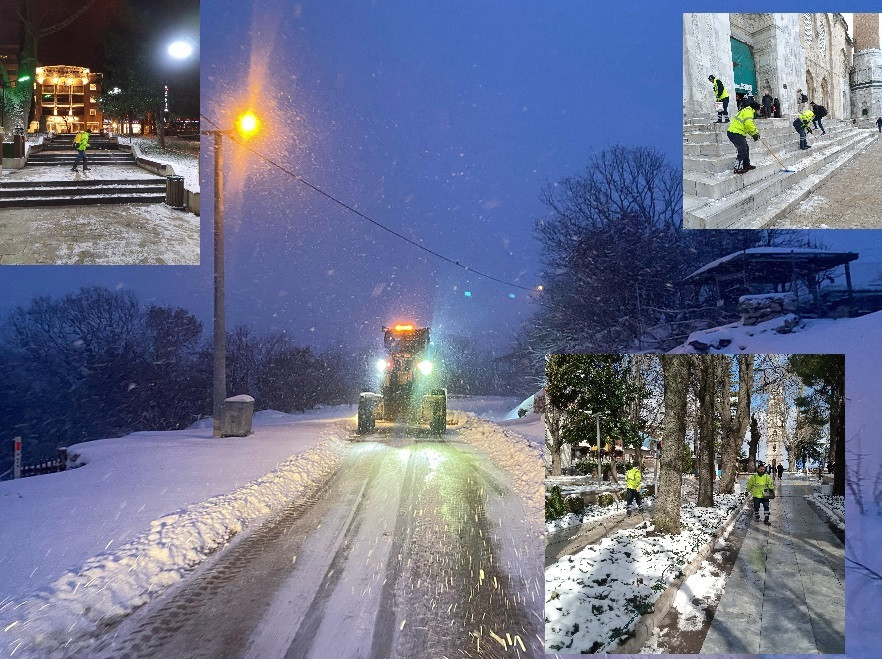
(828, 50)
(706, 51)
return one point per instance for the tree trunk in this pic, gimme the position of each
(553, 424)
(667, 509)
(706, 366)
(837, 432)
(752, 445)
(734, 429)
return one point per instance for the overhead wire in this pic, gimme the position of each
(297, 177)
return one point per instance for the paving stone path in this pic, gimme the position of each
(786, 593)
(850, 199)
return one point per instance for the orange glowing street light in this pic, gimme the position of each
(247, 124)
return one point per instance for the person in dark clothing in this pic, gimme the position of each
(820, 112)
(767, 106)
(776, 108)
(879, 124)
(780, 471)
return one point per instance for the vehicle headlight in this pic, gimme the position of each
(425, 367)
(381, 365)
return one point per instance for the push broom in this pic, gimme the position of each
(783, 168)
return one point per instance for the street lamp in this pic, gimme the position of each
(180, 50)
(220, 331)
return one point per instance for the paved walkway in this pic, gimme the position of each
(850, 199)
(106, 234)
(786, 593)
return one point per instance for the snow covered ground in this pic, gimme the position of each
(96, 173)
(144, 509)
(594, 598)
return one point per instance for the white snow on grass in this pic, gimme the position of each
(184, 163)
(144, 510)
(594, 598)
(591, 513)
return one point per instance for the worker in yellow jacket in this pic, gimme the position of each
(801, 124)
(633, 478)
(81, 143)
(722, 96)
(759, 485)
(742, 125)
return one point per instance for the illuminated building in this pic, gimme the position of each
(66, 99)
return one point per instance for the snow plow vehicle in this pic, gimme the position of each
(410, 393)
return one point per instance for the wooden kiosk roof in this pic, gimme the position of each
(771, 265)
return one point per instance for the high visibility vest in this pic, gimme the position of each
(757, 485)
(82, 141)
(742, 123)
(720, 89)
(806, 117)
(633, 478)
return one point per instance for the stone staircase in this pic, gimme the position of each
(715, 198)
(82, 192)
(60, 151)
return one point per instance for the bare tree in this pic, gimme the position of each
(667, 510)
(39, 19)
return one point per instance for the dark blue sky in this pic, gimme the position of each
(441, 120)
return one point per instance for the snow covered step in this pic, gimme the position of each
(759, 198)
(66, 191)
(84, 199)
(723, 184)
(779, 142)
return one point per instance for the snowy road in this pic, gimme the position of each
(412, 549)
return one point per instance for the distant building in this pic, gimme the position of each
(776, 429)
(66, 100)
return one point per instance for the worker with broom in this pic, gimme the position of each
(801, 124)
(741, 126)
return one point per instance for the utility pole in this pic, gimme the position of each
(220, 331)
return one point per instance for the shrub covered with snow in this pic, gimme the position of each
(594, 598)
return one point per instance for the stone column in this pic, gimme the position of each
(866, 73)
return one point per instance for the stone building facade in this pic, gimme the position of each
(866, 74)
(776, 53)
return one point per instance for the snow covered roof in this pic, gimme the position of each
(771, 264)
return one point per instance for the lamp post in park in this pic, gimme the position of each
(246, 125)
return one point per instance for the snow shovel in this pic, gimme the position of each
(783, 168)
